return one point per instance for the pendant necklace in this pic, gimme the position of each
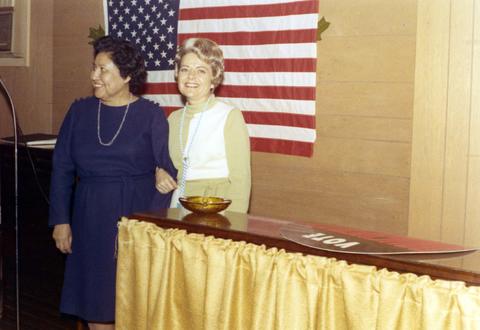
(186, 151)
(109, 143)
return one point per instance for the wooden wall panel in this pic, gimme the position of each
(445, 168)
(361, 165)
(371, 58)
(73, 54)
(458, 117)
(365, 98)
(472, 221)
(367, 128)
(360, 168)
(429, 118)
(370, 17)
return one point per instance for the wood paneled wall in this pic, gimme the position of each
(360, 170)
(445, 179)
(72, 53)
(31, 87)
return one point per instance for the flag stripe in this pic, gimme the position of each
(250, 65)
(258, 10)
(223, 3)
(256, 24)
(295, 148)
(301, 107)
(285, 51)
(282, 132)
(267, 92)
(271, 65)
(254, 38)
(268, 118)
(300, 79)
(274, 118)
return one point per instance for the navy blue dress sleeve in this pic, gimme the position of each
(160, 143)
(159, 135)
(63, 174)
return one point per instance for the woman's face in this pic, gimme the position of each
(194, 79)
(108, 84)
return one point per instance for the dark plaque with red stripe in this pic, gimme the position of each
(350, 240)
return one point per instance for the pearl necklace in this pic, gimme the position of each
(185, 152)
(109, 143)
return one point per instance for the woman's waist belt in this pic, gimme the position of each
(116, 178)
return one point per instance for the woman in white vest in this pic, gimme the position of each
(208, 139)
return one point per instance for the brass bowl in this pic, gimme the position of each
(204, 205)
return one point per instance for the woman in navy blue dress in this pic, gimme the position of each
(108, 148)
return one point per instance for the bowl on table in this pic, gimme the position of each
(204, 204)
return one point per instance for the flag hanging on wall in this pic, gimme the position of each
(270, 59)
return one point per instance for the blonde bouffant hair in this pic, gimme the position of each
(208, 51)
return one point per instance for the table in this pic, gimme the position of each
(178, 271)
(266, 231)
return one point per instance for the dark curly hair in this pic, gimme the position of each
(126, 57)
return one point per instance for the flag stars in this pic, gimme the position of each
(151, 26)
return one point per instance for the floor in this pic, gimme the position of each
(40, 285)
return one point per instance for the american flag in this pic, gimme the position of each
(270, 59)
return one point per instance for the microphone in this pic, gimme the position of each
(13, 113)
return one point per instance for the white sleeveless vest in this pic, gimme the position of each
(207, 155)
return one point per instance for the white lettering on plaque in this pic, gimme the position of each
(331, 240)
